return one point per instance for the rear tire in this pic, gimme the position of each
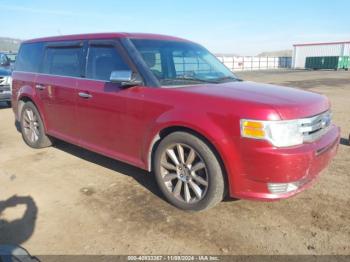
(9, 104)
(188, 172)
(32, 127)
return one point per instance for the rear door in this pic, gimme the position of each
(56, 84)
(25, 73)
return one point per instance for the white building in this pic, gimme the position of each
(301, 51)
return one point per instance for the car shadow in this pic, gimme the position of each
(144, 178)
(17, 231)
(344, 142)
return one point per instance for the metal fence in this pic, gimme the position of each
(240, 63)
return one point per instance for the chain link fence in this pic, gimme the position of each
(241, 63)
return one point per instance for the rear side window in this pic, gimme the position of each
(102, 60)
(63, 61)
(29, 57)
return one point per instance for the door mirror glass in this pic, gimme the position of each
(121, 76)
(125, 78)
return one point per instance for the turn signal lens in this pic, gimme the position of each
(252, 129)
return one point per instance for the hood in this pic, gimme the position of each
(290, 103)
(4, 72)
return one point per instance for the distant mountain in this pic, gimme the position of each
(9, 44)
(277, 53)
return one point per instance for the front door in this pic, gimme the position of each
(103, 114)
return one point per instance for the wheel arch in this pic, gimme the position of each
(24, 98)
(24, 94)
(178, 128)
(21, 101)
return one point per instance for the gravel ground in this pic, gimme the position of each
(66, 200)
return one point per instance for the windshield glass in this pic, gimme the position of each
(12, 57)
(182, 63)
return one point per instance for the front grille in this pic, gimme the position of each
(5, 88)
(315, 127)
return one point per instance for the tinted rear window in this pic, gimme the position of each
(29, 57)
(63, 61)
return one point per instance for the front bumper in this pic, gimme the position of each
(5, 93)
(261, 164)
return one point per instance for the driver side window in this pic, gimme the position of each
(102, 60)
(153, 60)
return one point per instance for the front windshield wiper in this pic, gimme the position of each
(222, 79)
(213, 80)
(192, 79)
(195, 79)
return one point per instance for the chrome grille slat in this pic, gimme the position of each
(311, 128)
(5, 88)
(315, 127)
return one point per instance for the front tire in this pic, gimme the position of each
(188, 173)
(32, 127)
(8, 103)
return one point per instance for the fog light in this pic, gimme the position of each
(280, 188)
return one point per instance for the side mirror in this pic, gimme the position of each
(5, 63)
(125, 78)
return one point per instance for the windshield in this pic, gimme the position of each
(12, 57)
(182, 63)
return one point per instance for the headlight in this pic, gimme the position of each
(279, 133)
(8, 81)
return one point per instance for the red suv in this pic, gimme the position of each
(167, 105)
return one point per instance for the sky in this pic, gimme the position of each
(223, 26)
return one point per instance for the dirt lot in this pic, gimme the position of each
(72, 201)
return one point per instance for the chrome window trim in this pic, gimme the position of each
(74, 77)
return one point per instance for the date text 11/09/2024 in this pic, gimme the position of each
(174, 258)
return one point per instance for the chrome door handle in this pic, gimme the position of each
(84, 95)
(40, 87)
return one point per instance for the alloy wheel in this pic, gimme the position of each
(184, 173)
(31, 125)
